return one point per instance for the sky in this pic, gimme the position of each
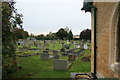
(45, 16)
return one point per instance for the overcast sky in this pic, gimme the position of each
(44, 16)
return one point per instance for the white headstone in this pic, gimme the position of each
(85, 46)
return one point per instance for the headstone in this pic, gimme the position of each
(45, 51)
(45, 56)
(77, 46)
(64, 54)
(85, 46)
(56, 56)
(18, 44)
(71, 57)
(68, 42)
(66, 46)
(51, 56)
(76, 54)
(62, 50)
(74, 43)
(80, 51)
(86, 59)
(55, 52)
(60, 64)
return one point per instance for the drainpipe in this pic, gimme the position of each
(87, 7)
(94, 9)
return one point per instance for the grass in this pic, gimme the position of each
(79, 66)
(39, 68)
(44, 68)
(27, 52)
(34, 67)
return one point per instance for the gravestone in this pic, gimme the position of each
(77, 46)
(18, 44)
(45, 56)
(85, 46)
(60, 64)
(51, 56)
(55, 52)
(62, 49)
(66, 46)
(71, 57)
(56, 56)
(86, 59)
(68, 52)
(76, 54)
(80, 51)
(45, 51)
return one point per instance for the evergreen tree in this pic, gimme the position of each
(61, 34)
(70, 35)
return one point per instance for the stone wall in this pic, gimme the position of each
(105, 11)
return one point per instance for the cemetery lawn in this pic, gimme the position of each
(34, 67)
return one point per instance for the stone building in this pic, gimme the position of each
(105, 18)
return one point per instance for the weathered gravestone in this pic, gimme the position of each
(56, 56)
(86, 59)
(45, 56)
(60, 64)
(55, 52)
(76, 54)
(71, 57)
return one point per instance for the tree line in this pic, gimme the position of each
(61, 34)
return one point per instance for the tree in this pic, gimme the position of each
(70, 35)
(85, 34)
(20, 33)
(61, 34)
(40, 37)
(8, 40)
(51, 36)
